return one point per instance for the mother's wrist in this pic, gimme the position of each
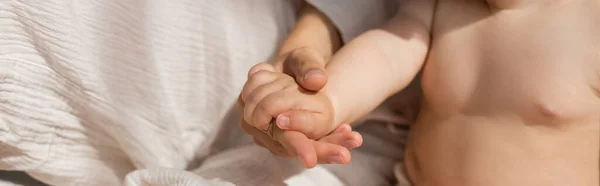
(313, 29)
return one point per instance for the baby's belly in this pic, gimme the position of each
(500, 151)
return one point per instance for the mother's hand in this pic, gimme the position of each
(308, 68)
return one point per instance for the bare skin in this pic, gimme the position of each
(511, 90)
(301, 58)
(510, 95)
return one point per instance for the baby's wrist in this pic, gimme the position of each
(338, 112)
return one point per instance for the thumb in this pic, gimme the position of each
(313, 125)
(308, 67)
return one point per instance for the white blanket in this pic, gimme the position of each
(93, 90)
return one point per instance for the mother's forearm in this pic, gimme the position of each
(313, 30)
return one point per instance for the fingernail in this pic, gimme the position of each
(335, 159)
(349, 144)
(313, 73)
(283, 122)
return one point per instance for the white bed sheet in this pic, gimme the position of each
(93, 90)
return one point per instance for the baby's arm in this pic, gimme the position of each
(362, 74)
(380, 62)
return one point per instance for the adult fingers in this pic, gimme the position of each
(259, 85)
(256, 80)
(240, 103)
(263, 140)
(260, 67)
(299, 145)
(252, 71)
(350, 139)
(331, 153)
(257, 96)
(343, 128)
(287, 144)
(258, 75)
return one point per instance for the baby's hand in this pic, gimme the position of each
(330, 148)
(268, 94)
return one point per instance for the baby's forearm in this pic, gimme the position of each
(375, 66)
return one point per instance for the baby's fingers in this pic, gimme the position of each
(313, 124)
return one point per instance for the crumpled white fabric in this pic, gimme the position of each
(172, 177)
(93, 90)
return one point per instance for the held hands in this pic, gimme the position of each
(268, 94)
(306, 117)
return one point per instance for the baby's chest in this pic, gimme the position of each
(537, 92)
(551, 93)
(528, 63)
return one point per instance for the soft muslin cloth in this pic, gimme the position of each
(91, 91)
